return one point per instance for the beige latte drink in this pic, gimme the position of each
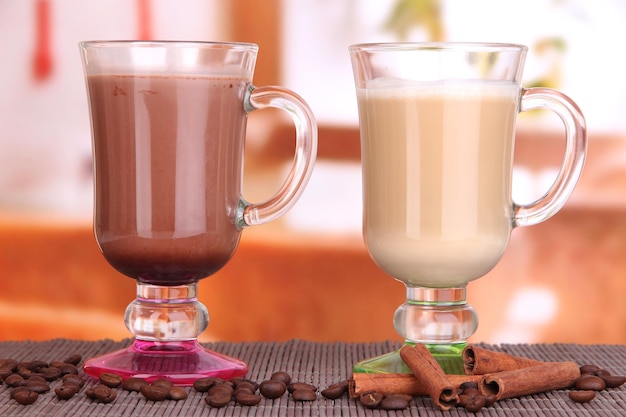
(437, 177)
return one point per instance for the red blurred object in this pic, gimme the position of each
(144, 23)
(42, 57)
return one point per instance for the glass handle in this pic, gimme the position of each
(304, 158)
(575, 152)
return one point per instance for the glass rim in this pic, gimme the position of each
(126, 43)
(436, 46)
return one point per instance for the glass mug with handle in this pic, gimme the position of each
(168, 125)
(437, 124)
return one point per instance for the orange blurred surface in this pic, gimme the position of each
(560, 281)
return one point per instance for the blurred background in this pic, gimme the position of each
(308, 275)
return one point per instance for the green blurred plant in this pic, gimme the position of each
(409, 14)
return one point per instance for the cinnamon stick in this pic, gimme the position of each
(429, 373)
(530, 380)
(389, 384)
(480, 361)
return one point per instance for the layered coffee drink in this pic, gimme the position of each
(437, 164)
(168, 154)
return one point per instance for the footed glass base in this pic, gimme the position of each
(180, 362)
(448, 356)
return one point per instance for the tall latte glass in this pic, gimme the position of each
(168, 122)
(437, 126)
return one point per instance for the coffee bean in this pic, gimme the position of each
(282, 376)
(103, 394)
(15, 380)
(221, 388)
(490, 400)
(247, 398)
(303, 395)
(134, 384)
(394, 402)
(469, 385)
(582, 396)
(371, 400)
(68, 368)
(91, 393)
(155, 392)
(35, 365)
(613, 381)
(51, 373)
(334, 391)
(18, 389)
(204, 384)
(474, 403)
(66, 391)
(38, 386)
(272, 388)
(588, 369)
(177, 393)
(590, 382)
(111, 380)
(163, 382)
(6, 371)
(471, 391)
(248, 385)
(218, 398)
(301, 386)
(74, 359)
(74, 379)
(25, 396)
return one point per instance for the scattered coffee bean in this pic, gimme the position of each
(613, 381)
(74, 359)
(490, 400)
(304, 395)
(588, 369)
(371, 400)
(469, 385)
(474, 403)
(204, 384)
(334, 391)
(74, 379)
(18, 389)
(104, 394)
(247, 398)
(134, 384)
(221, 388)
(111, 380)
(66, 391)
(394, 402)
(590, 382)
(218, 398)
(177, 393)
(282, 376)
(582, 396)
(25, 396)
(163, 382)
(14, 380)
(272, 388)
(155, 392)
(68, 369)
(294, 386)
(38, 386)
(35, 365)
(247, 385)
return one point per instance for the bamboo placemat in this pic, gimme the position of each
(317, 363)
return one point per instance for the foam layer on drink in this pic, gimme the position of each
(437, 175)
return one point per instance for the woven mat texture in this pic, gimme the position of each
(317, 363)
